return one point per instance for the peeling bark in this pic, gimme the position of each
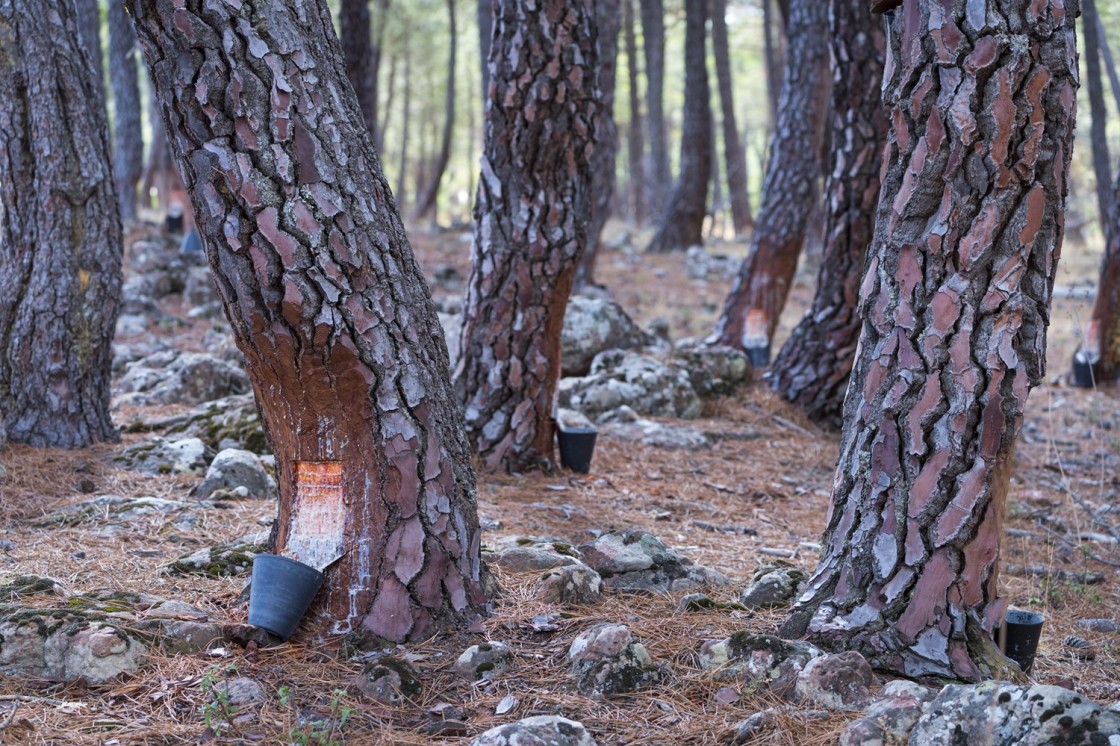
(128, 138)
(955, 304)
(790, 190)
(813, 366)
(340, 337)
(60, 233)
(734, 156)
(534, 195)
(682, 220)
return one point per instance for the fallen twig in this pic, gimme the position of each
(1084, 578)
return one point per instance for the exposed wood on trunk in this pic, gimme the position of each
(635, 132)
(534, 195)
(955, 303)
(813, 366)
(60, 233)
(682, 220)
(653, 46)
(426, 203)
(790, 190)
(128, 139)
(606, 139)
(734, 156)
(340, 337)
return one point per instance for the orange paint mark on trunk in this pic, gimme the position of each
(319, 515)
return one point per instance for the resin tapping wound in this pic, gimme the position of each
(318, 515)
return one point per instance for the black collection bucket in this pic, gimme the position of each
(576, 447)
(280, 593)
(1083, 370)
(1019, 635)
(759, 356)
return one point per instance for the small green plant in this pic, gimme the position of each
(218, 712)
(325, 732)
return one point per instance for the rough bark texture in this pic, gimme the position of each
(682, 221)
(813, 366)
(653, 47)
(128, 138)
(733, 154)
(955, 304)
(534, 195)
(60, 233)
(89, 31)
(790, 189)
(607, 20)
(426, 204)
(635, 132)
(340, 337)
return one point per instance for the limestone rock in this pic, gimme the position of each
(542, 730)
(389, 680)
(773, 584)
(484, 661)
(592, 325)
(535, 556)
(762, 660)
(643, 383)
(199, 287)
(637, 561)
(995, 713)
(232, 421)
(180, 378)
(233, 468)
(59, 645)
(165, 456)
(235, 558)
(889, 719)
(606, 660)
(840, 681)
(625, 424)
(242, 691)
(575, 585)
(111, 509)
(714, 370)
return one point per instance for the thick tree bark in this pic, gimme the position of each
(426, 204)
(60, 233)
(355, 34)
(653, 46)
(635, 133)
(790, 189)
(607, 21)
(955, 305)
(813, 366)
(485, 34)
(682, 221)
(534, 195)
(89, 31)
(733, 154)
(1098, 119)
(128, 138)
(340, 337)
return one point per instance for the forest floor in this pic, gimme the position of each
(763, 485)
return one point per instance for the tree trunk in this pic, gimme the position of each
(406, 121)
(340, 337)
(773, 59)
(733, 154)
(355, 34)
(955, 304)
(1104, 324)
(89, 31)
(1098, 118)
(606, 139)
(128, 138)
(60, 233)
(653, 45)
(682, 221)
(426, 205)
(530, 227)
(790, 190)
(813, 366)
(160, 172)
(635, 134)
(1109, 63)
(485, 34)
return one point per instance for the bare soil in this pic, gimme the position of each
(762, 489)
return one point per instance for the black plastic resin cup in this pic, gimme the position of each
(280, 593)
(1083, 370)
(576, 447)
(759, 356)
(1018, 638)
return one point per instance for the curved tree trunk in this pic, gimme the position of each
(534, 195)
(955, 304)
(60, 233)
(635, 133)
(606, 139)
(1098, 118)
(789, 191)
(426, 205)
(733, 154)
(89, 31)
(357, 49)
(340, 337)
(682, 220)
(653, 46)
(128, 138)
(813, 366)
